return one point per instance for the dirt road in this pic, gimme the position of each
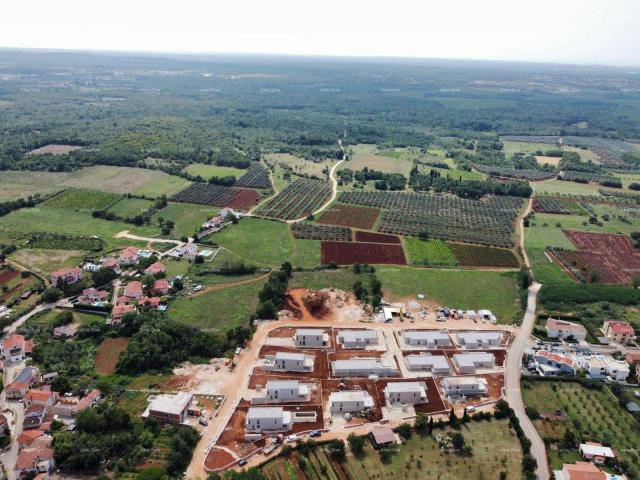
(334, 193)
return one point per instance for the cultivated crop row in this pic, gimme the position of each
(348, 253)
(217, 196)
(561, 206)
(310, 231)
(490, 221)
(434, 253)
(524, 174)
(257, 176)
(350, 216)
(480, 256)
(298, 200)
(551, 140)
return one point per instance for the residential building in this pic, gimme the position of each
(288, 362)
(286, 391)
(580, 471)
(149, 302)
(364, 367)
(69, 406)
(155, 268)
(133, 290)
(91, 296)
(469, 362)
(112, 263)
(68, 275)
(161, 287)
(405, 392)
(350, 401)
(465, 386)
(42, 397)
(473, 340)
(357, 338)
(267, 419)
(33, 416)
(426, 338)
(563, 329)
(596, 452)
(618, 331)
(129, 256)
(311, 337)
(26, 438)
(436, 364)
(600, 366)
(169, 408)
(26, 378)
(4, 426)
(550, 364)
(15, 348)
(34, 461)
(119, 311)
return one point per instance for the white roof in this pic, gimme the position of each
(435, 361)
(402, 387)
(362, 363)
(356, 334)
(471, 359)
(478, 336)
(464, 380)
(426, 335)
(349, 396)
(265, 412)
(309, 331)
(282, 384)
(596, 449)
(390, 311)
(170, 404)
(290, 356)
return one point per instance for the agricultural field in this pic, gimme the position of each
(593, 415)
(528, 148)
(217, 196)
(465, 289)
(54, 149)
(528, 175)
(188, 218)
(256, 176)
(489, 221)
(340, 278)
(168, 185)
(557, 205)
(108, 354)
(628, 178)
(310, 231)
(481, 256)
(227, 307)
(544, 160)
(298, 200)
(350, 216)
(372, 237)
(431, 253)
(300, 166)
(82, 199)
(551, 187)
(369, 156)
(13, 190)
(130, 207)
(45, 261)
(209, 171)
(344, 253)
(418, 457)
(453, 173)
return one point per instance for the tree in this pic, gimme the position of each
(457, 440)
(103, 276)
(430, 425)
(51, 295)
(421, 423)
(287, 267)
(453, 419)
(356, 443)
(337, 449)
(404, 430)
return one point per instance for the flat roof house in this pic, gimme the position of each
(465, 386)
(363, 367)
(286, 391)
(405, 392)
(436, 364)
(426, 338)
(357, 338)
(350, 401)
(469, 362)
(479, 339)
(311, 338)
(288, 362)
(169, 408)
(563, 329)
(596, 452)
(267, 419)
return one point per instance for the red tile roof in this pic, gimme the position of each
(66, 270)
(621, 328)
(133, 289)
(156, 268)
(28, 458)
(584, 471)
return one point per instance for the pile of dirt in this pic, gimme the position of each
(316, 303)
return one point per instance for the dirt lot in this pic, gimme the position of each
(233, 435)
(108, 354)
(54, 149)
(218, 458)
(283, 332)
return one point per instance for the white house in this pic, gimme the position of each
(405, 392)
(311, 337)
(426, 338)
(596, 452)
(363, 367)
(600, 366)
(267, 419)
(288, 362)
(563, 329)
(168, 407)
(286, 391)
(436, 364)
(465, 386)
(357, 338)
(351, 401)
(469, 362)
(478, 339)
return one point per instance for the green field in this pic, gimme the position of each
(537, 239)
(454, 173)
(82, 199)
(267, 242)
(218, 310)
(208, 171)
(46, 261)
(188, 217)
(510, 148)
(593, 415)
(565, 187)
(168, 185)
(342, 279)
(495, 448)
(430, 252)
(130, 207)
(465, 289)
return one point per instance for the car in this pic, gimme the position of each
(203, 422)
(242, 462)
(315, 433)
(291, 438)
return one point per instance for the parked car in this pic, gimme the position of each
(315, 433)
(242, 462)
(203, 422)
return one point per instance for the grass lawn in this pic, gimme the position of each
(342, 279)
(108, 354)
(495, 291)
(209, 171)
(188, 217)
(454, 173)
(130, 207)
(266, 242)
(168, 185)
(176, 266)
(565, 187)
(418, 458)
(46, 261)
(593, 415)
(218, 310)
(82, 199)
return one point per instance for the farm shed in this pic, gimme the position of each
(382, 436)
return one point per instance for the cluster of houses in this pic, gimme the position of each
(593, 454)
(596, 366)
(430, 339)
(223, 218)
(614, 331)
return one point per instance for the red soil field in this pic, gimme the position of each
(217, 458)
(8, 275)
(245, 198)
(108, 354)
(343, 253)
(376, 237)
(350, 216)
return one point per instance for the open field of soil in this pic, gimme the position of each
(108, 354)
(54, 149)
(350, 216)
(343, 253)
(218, 458)
(370, 237)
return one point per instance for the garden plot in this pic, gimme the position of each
(298, 200)
(350, 216)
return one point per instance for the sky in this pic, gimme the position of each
(560, 31)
